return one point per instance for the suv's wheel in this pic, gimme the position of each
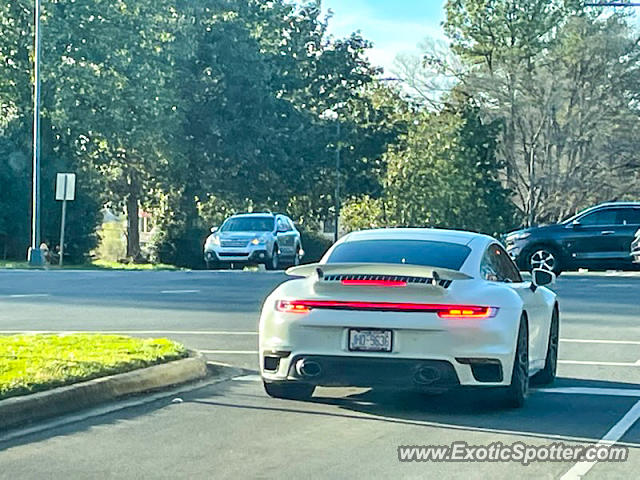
(213, 265)
(291, 391)
(544, 257)
(296, 258)
(274, 262)
(547, 375)
(516, 394)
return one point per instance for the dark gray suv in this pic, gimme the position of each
(254, 238)
(599, 237)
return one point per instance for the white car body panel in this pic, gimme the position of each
(416, 335)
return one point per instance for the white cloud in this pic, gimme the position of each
(390, 36)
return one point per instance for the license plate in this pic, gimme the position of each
(370, 340)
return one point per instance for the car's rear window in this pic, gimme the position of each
(412, 252)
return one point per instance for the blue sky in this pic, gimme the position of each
(394, 26)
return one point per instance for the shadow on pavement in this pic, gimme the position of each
(552, 415)
(555, 416)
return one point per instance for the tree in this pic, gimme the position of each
(113, 62)
(60, 151)
(564, 84)
(253, 81)
(448, 175)
(443, 174)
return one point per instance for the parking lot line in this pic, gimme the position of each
(611, 342)
(613, 392)
(580, 469)
(247, 378)
(599, 364)
(240, 352)
(29, 295)
(173, 292)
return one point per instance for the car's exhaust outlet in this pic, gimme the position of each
(308, 368)
(426, 376)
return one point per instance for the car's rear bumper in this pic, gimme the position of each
(480, 352)
(336, 370)
(389, 372)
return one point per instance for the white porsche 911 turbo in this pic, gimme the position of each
(418, 308)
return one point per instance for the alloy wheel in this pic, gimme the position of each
(543, 259)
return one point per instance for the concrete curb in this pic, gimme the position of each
(19, 411)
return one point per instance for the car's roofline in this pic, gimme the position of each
(598, 207)
(254, 215)
(460, 237)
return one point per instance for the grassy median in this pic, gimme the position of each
(93, 265)
(32, 363)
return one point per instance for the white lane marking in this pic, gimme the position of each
(30, 295)
(613, 392)
(600, 364)
(608, 342)
(177, 292)
(248, 378)
(239, 352)
(580, 469)
(130, 332)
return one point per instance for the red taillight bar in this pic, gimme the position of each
(443, 311)
(468, 312)
(375, 283)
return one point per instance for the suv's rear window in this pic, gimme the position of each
(413, 252)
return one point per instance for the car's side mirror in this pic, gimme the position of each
(542, 278)
(214, 229)
(576, 224)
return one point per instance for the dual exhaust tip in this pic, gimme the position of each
(310, 369)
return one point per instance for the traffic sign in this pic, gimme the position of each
(66, 186)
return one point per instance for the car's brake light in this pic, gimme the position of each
(375, 283)
(443, 311)
(292, 306)
(467, 312)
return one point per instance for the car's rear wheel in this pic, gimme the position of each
(544, 257)
(290, 391)
(517, 392)
(547, 375)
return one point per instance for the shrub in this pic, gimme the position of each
(314, 244)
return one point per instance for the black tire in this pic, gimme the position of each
(547, 375)
(543, 256)
(213, 265)
(274, 262)
(296, 258)
(515, 395)
(290, 391)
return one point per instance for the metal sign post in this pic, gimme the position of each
(35, 254)
(65, 191)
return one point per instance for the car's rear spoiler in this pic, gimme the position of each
(391, 269)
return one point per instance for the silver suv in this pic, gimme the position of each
(254, 238)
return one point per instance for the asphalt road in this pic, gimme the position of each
(233, 430)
